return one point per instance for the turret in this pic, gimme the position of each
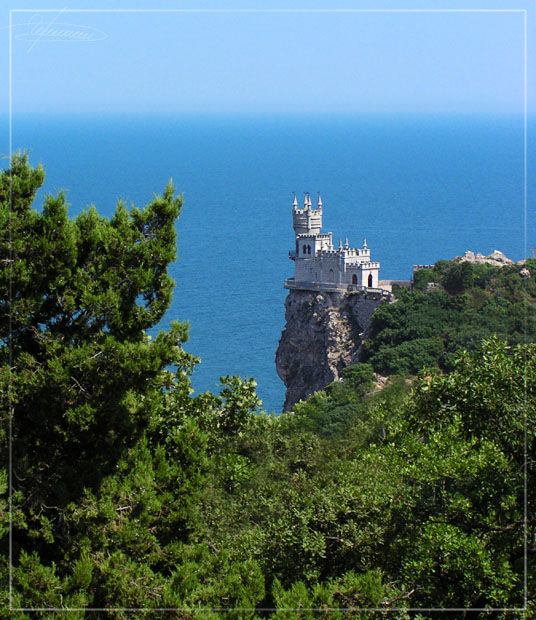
(306, 221)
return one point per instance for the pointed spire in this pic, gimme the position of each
(364, 243)
(319, 203)
(346, 243)
(295, 201)
(340, 244)
(309, 200)
(305, 201)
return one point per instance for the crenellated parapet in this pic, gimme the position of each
(370, 265)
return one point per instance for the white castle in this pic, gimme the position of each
(318, 265)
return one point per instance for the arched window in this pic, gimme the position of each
(305, 249)
(308, 249)
(331, 275)
(354, 279)
(297, 248)
(370, 280)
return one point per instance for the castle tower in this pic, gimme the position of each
(306, 221)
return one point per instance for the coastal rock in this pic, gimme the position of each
(323, 335)
(495, 258)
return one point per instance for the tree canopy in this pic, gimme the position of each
(427, 327)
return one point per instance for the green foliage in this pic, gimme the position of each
(329, 412)
(350, 596)
(83, 293)
(360, 377)
(425, 489)
(423, 277)
(457, 277)
(472, 469)
(425, 329)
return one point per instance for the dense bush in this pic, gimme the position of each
(422, 495)
(425, 329)
(423, 277)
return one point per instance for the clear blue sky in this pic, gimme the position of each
(305, 62)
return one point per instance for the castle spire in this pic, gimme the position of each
(295, 201)
(308, 199)
(346, 243)
(340, 244)
(364, 243)
(305, 201)
(319, 203)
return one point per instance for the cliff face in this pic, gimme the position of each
(322, 335)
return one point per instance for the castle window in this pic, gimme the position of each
(370, 280)
(305, 249)
(308, 249)
(354, 279)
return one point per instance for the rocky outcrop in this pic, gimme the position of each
(323, 335)
(495, 258)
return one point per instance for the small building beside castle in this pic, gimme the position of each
(318, 266)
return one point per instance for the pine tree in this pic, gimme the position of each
(82, 381)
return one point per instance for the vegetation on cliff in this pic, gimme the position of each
(128, 492)
(427, 327)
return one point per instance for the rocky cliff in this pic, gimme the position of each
(322, 335)
(496, 258)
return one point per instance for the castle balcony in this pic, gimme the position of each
(331, 287)
(325, 287)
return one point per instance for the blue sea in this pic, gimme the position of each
(418, 188)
